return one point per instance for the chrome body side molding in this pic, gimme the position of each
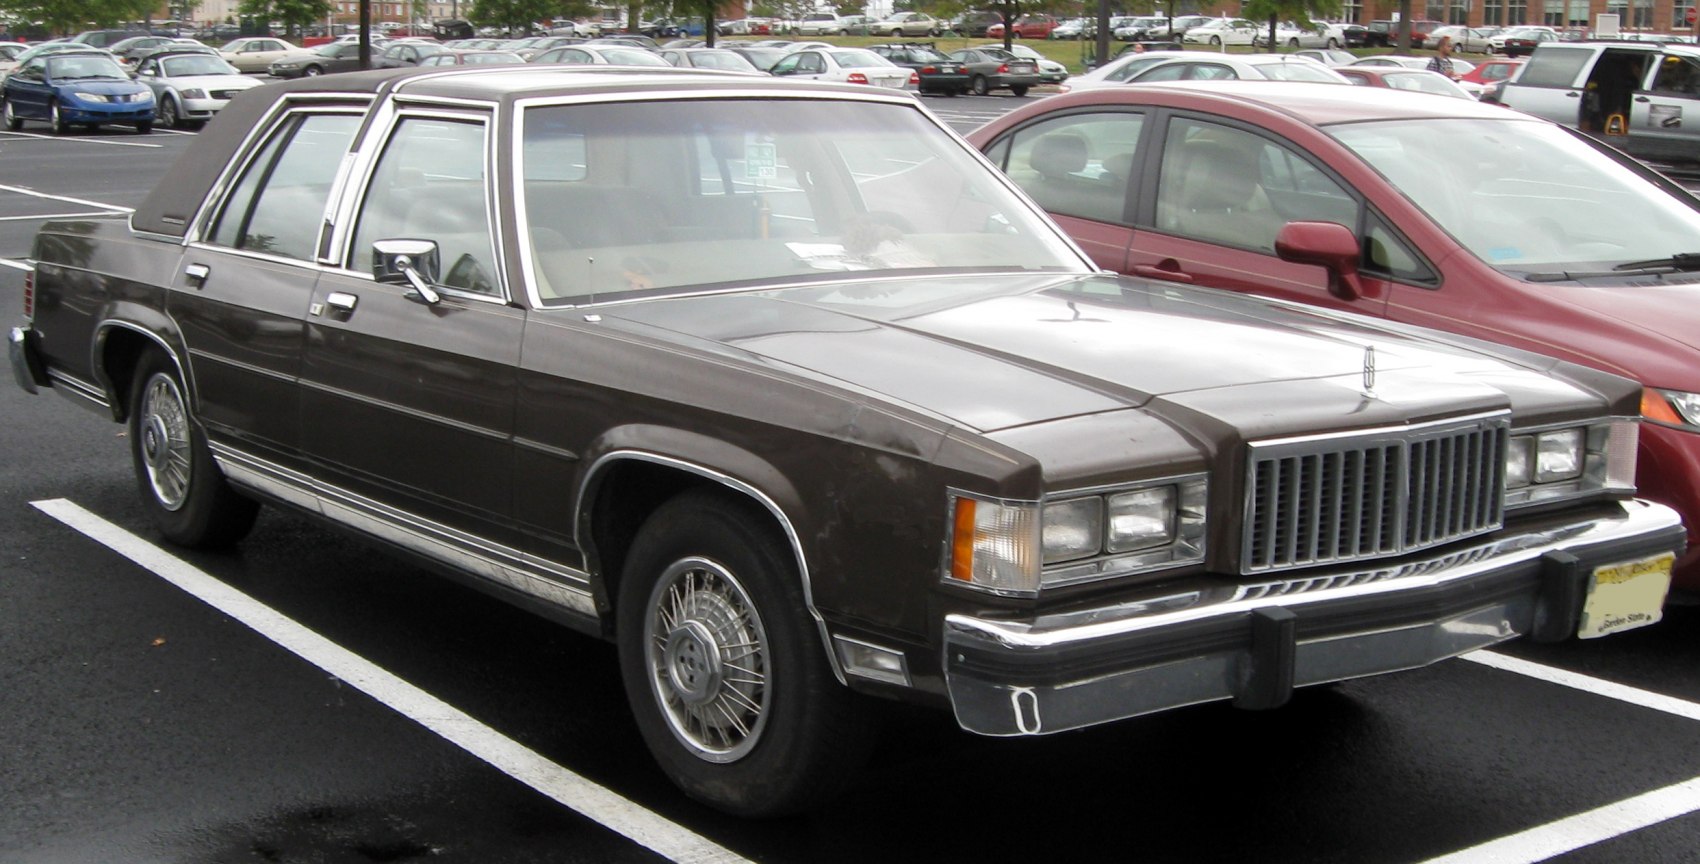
(558, 585)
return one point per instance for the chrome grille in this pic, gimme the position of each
(1370, 495)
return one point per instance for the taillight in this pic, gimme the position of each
(915, 78)
(1004, 69)
(29, 293)
(929, 69)
(857, 78)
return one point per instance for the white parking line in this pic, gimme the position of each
(512, 758)
(81, 140)
(24, 190)
(1584, 829)
(1596, 686)
(104, 214)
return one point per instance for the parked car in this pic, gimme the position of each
(973, 24)
(1121, 70)
(1520, 41)
(406, 53)
(849, 65)
(1410, 80)
(1141, 27)
(455, 57)
(1075, 28)
(992, 69)
(1050, 71)
(934, 72)
(600, 55)
(1025, 27)
(71, 88)
(709, 58)
(820, 24)
(190, 87)
(1460, 68)
(1294, 37)
(1492, 71)
(1463, 217)
(759, 57)
(131, 50)
(1327, 56)
(258, 53)
(105, 38)
(904, 24)
(1635, 95)
(326, 59)
(1470, 40)
(1222, 31)
(1196, 66)
(823, 410)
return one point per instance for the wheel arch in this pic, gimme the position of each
(118, 347)
(625, 484)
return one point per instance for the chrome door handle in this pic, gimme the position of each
(196, 274)
(342, 300)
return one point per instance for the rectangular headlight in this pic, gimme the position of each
(1073, 529)
(1518, 462)
(1141, 519)
(1558, 456)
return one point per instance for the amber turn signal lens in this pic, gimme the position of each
(1655, 407)
(962, 541)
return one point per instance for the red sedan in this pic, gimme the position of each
(1429, 210)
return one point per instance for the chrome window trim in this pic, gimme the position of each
(263, 129)
(360, 168)
(592, 475)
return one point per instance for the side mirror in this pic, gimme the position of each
(1329, 245)
(416, 263)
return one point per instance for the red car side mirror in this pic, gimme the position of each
(1328, 245)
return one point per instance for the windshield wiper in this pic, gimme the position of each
(1683, 261)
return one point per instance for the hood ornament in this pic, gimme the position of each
(1369, 371)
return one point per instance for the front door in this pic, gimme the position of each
(408, 403)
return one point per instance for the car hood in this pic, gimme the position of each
(1646, 311)
(103, 86)
(1000, 352)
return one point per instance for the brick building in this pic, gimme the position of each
(1651, 16)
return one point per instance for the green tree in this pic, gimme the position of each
(293, 14)
(1296, 11)
(74, 16)
(513, 15)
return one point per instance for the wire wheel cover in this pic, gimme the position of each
(708, 659)
(165, 444)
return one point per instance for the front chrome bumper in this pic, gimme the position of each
(1254, 643)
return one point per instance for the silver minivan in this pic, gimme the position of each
(1643, 98)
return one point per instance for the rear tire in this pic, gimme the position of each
(13, 121)
(1019, 90)
(980, 85)
(183, 492)
(723, 664)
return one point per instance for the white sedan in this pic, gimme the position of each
(256, 53)
(1222, 31)
(852, 65)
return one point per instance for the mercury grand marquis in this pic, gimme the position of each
(785, 391)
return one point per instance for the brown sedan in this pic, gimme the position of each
(785, 391)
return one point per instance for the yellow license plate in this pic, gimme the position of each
(1625, 596)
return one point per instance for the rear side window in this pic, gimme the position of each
(1555, 67)
(1080, 165)
(278, 205)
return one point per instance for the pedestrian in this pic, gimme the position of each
(1442, 60)
(1139, 47)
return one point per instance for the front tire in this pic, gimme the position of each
(980, 85)
(144, 128)
(61, 126)
(183, 492)
(723, 666)
(1215, 41)
(312, 72)
(168, 116)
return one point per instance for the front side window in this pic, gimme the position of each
(645, 197)
(1555, 67)
(429, 184)
(1080, 165)
(1228, 186)
(277, 206)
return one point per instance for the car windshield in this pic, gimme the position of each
(202, 64)
(76, 68)
(719, 59)
(1525, 196)
(633, 57)
(759, 191)
(1298, 70)
(1422, 81)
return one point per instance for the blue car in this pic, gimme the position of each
(70, 88)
